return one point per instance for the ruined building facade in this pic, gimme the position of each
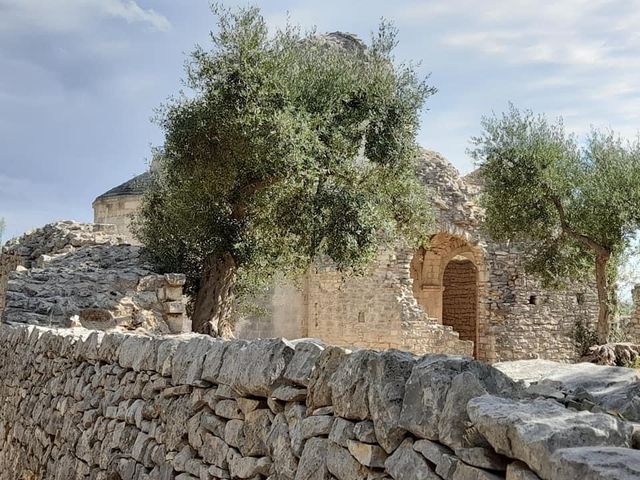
(463, 294)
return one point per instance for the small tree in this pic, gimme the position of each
(290, 146)
(573, 207)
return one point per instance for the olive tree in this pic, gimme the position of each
(572, 205)
(286, 146)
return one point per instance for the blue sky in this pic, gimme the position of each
(79, 79)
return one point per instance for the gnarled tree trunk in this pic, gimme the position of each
(214, 302)
(604, 313)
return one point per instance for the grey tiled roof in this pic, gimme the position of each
(135, 186)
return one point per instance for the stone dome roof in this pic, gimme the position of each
(136, 186)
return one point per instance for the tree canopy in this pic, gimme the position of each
(573, 205)
(286, 146)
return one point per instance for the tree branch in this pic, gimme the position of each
(568, 229)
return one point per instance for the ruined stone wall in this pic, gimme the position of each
(375, 310)
(74, 273)
(117, 211)
(526, 320)
(76, 404)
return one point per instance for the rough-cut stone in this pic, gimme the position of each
(432, 451)
(365, 432)
(466, 472)
(342, 431)
(350, 386)
(72, 274)
(313, 462)
(319, 385)
(256, 429)
(389, 373)
(287, 393)
(303, 363)
(188, 360)
(595, 463)
(426, 411)
(407, 464)
(342, 465)
(367, 454)
(532, 431)
(279, 445)
(482, 458)
(256, 368)
(520, 471)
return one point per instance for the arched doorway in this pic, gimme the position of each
(448, 277)
(460, 298)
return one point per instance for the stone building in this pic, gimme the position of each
(463, 294)
(116, 206)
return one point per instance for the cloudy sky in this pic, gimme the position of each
(79, 79)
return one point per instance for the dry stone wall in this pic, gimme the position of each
(70, 273)
(77, 404)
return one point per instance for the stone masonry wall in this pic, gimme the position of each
(460, 298)
(77, 404)
(375, 310)
(527, 320)
(117, 211)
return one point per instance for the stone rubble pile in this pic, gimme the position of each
(77, 404)
(68, 272)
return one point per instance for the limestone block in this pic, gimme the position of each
(313, 462)
(368, 455)
(188, 360)
(255, 368)
(365, 432)
(467, 472)
(342, 465)
(287, 393)
(257, 425)
(319, 385)
(595, 463)
(423, 410)
(389, 373)
(407, 464)
(342, 431)
(533, 431)
(229, 409)
(350, 386)
(482, 458)
(234, 433)
(279, 445)
(303, 363)
(214, 451)
(520, 471)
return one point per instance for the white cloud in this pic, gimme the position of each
(68, 16)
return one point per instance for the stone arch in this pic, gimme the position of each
(429, 275)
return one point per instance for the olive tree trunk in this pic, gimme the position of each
(212, 312)
(603, 328)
